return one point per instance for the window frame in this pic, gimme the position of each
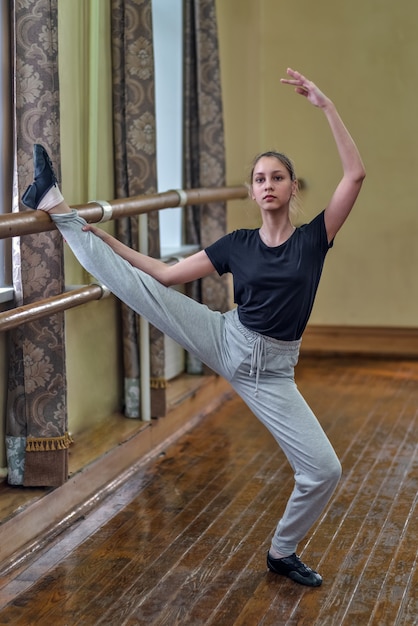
(6, 161)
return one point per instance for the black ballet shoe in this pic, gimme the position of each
(292, 567)
(44, 178)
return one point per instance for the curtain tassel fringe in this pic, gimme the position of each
(46, 444)
(158, 383)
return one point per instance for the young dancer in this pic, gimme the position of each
(276, 271)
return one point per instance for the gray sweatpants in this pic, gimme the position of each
(259, 368)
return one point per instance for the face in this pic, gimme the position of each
(272, 187)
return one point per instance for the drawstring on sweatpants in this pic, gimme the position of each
(258, 360)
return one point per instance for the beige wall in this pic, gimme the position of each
(364, 56)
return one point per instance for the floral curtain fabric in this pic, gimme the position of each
(37, 440)
(204, 152)
(135, 173)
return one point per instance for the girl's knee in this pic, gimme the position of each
(329, 474)
(335, 471)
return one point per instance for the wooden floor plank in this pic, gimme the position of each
(184, 540)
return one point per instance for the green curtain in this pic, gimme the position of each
(86, 100)
(93, 331)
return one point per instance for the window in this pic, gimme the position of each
(167, 20)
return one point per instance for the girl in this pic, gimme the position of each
(276, 271)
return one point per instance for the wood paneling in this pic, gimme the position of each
(361, 340)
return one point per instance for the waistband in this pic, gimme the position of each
(278, 345)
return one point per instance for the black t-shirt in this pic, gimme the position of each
(274, 287)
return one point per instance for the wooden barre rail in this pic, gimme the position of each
(29, 222)
(31, 312)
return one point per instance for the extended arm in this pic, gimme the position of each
(191, 268)
(348, 188)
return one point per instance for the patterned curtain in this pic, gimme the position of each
(36, 437)
(204, 152)
(135, 173)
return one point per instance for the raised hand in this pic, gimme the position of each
(306, 88)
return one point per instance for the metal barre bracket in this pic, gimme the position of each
(182, 197)
(106, 208)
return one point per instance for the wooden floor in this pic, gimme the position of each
(184, 539)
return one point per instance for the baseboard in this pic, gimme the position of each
(360, 340)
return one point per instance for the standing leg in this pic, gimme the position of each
(317, 470)
(277, 403)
